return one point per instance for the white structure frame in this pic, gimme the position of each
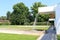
(52, 9)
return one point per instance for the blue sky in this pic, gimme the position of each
(7, 5)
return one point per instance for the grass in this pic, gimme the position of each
(25, 27)
(4, 36)
(58, 37)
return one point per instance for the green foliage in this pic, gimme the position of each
(34, 10)
(58, 37)
(40, 23)
(3, 18)
(8, 15)
(4, 21)
(20, 14)
(35, 6)
(43, 18)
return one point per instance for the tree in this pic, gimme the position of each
(34, 9)
(43, 17)
(3, 18)
(8, 15)
(20, 14)
(35, 6)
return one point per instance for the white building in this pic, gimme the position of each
(52, 9)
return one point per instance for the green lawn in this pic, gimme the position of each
(17, 37)
(4, 36)
(25, 27)
(58, 37)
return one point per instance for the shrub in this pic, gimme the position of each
(40, 23)
(4, 23)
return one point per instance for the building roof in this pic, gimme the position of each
(48, 9)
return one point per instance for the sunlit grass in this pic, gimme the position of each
(17, 37)
(25, 27)
(58, 37)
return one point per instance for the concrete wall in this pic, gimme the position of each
(57, 19)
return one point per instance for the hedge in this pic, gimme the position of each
(40, 23)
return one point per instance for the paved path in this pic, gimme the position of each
(11, 31)
(50, 34)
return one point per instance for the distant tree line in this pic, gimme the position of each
(21, 14)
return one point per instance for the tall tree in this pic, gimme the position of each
(20, 14)
(8, 15)
(34, 9)
(35, 6)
